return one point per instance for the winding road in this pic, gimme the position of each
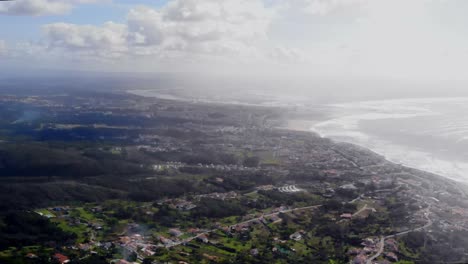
(382, 239)
(244, 222)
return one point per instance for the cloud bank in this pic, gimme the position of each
(183, 29)
(380, 38)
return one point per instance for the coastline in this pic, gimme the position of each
(424, 133)
(305, 126)
(301, 122)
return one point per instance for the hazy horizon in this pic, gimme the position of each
(419, 41)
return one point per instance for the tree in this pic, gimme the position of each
(251, 161)
(132, 257)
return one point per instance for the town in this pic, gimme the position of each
(146, 180)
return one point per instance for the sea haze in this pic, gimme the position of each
(424, 133)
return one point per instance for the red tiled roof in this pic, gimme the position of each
(61, 258)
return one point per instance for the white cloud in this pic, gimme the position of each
(40, 7)
(109, 40)
(209, 26)
(182, 28)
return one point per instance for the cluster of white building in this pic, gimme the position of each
(289, 189)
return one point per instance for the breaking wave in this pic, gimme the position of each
(424, 133)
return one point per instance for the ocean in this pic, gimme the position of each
(430, 134)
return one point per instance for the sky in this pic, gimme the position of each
(410, 40)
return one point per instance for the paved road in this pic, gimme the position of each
(358, 198)
(255, 219)
(379, 252)
(429, 223)
(381, 243)
(360, 210)
(244, 222)
(276, 213)
(382, 239)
